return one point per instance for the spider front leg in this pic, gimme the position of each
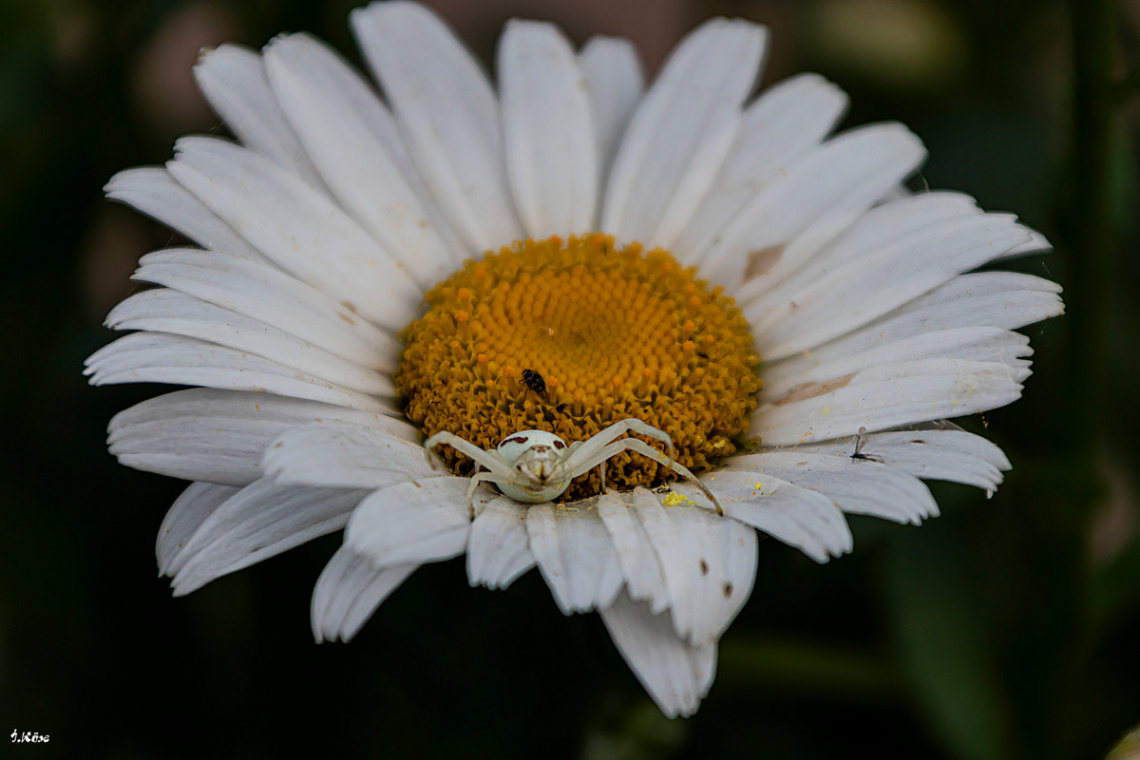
(591, 455)
(600, 439)
(643, 448)
(581, 450)
(476, 479)
(489, 460)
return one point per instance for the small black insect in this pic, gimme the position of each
(534, 381)
(860, 441)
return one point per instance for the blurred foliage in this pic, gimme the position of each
(1128, 749)
(1003, 630)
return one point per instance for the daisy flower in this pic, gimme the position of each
(515, 270)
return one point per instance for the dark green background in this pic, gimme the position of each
(1007, 628)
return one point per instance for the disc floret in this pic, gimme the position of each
(570, 336)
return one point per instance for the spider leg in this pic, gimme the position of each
(582, 450)
(490, 460)
(476, 479)
(638, 426)
(641, 447)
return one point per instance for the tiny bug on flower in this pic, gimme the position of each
(860, 442)
(534, 381)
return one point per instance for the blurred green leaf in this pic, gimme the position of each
(1116, 586)
(944, 649)
(641, 733)
(805, 668)
(1128, 748)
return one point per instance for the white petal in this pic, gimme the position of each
(823, 192)
(1009, 300)
(159, 358)
(704, 162)
(644, 578)
(984, 344)
(720, 580)
(704, 564)
(344, 454)
(168, 311)
(676, 674)
(206, 402)
(234, 82)
(448, 116)
(219, 436)
(259, 521)
(1037, 243)
(216, 450)
(155, 193)
(885, 397)
(615, 83)
(799, 517)
(298, 228)
(551, 154)
(876, 229)
(337, 117)
(681, 131)
(411, 523)
(689, 543)
(927, 453)
(672, 557)
(498, 551)
(348, 592)
(311, 59)
(790, 320)
(1005, 300)
(575, 556)
(785, 121)
(859, 486)
(739, 553)
(275, 298)
(185, 516)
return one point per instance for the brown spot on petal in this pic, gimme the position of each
(704, 567)
(811, 390)
(761, 261)
(918, 440)
(727, 590)
(349, 305)
(346, 318)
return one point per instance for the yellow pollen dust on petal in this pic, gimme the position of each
(570, 336)
(675, 499)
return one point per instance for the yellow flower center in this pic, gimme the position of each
(572, 336)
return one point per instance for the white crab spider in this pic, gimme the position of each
(534, 466)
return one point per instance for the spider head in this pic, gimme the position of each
(538, 461)
(541, 465)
